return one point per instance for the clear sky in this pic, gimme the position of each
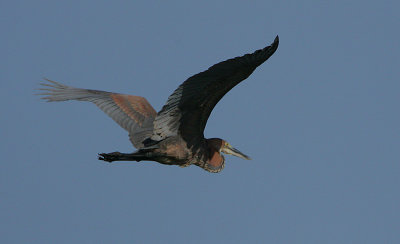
(320, 119)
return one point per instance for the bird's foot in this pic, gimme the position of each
(109, 157)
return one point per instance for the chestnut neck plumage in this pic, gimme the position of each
(215, 162)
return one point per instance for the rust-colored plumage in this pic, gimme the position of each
(174, 135)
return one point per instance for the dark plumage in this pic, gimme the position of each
(174, 135)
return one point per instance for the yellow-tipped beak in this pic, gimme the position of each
(228, 149)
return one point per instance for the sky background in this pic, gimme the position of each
(320, 119)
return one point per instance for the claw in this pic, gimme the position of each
(108, 157)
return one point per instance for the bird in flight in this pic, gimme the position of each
(174, 135)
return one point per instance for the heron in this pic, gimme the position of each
(174, 135)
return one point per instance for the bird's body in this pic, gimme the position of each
(174, 135)
(174, 151)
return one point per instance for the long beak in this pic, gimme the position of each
(233, 151)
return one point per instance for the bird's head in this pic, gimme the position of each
(223, 146)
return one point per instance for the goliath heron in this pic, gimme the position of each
(174, 135)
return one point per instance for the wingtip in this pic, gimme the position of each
(274, 46)
(276, 41)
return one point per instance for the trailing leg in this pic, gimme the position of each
(117, 156)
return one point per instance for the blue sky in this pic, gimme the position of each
(320, 119)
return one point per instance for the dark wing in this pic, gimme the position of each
(133, 113)
(188, 108)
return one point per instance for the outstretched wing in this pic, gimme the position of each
(133, 113)
(188, 108)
